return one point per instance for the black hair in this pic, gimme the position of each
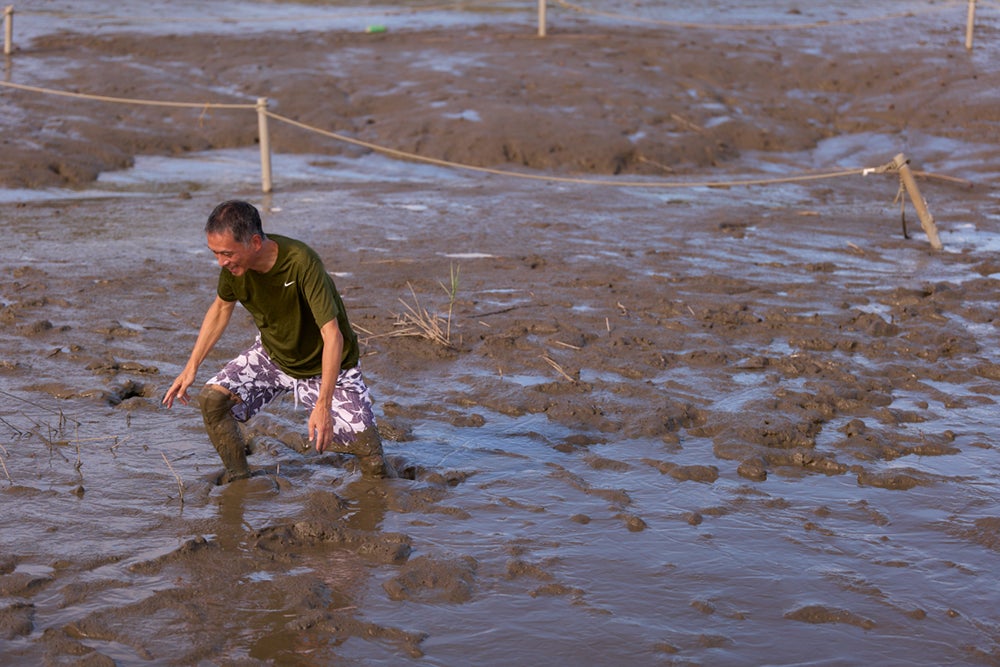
(239, 217)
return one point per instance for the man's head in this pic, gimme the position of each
(238, 217)
(235, 237)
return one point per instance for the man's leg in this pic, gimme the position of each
(217, 410)
(366, 446)
(235, 394)
(354, 421)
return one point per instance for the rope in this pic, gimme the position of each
(738, 27)
(462, 4)
(484, 170)
(124, 100)
(247, 19)
(581, 181)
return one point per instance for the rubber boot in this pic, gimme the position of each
(367, 446)
(224, 432)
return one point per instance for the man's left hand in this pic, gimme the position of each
(320, 427)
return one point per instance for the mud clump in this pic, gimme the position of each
(899, 480)
(381, 547)
(16, 620)
(432, 580)
(685, 473)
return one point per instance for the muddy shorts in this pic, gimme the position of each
(257, 380)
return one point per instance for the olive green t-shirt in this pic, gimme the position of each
(289, 304)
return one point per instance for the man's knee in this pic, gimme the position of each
(367, 443)
(216, 402)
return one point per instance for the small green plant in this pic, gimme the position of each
(452, 292)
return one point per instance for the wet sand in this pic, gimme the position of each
(727, 425)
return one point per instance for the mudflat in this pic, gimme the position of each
(688, 424)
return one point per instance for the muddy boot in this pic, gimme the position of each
(224, 433)
(367, 446)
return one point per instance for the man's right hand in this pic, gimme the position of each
(178, 390)
(215, 322)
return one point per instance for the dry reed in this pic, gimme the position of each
(559, 369)
(180, 484)
(4, 454)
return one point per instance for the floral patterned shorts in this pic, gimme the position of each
(257, 380)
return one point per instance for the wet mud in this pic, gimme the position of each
(726, 425)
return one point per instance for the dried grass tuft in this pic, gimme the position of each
(418, 321)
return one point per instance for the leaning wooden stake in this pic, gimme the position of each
(902, 165)
(541, 18)
(8, 30)
(265, 145)
(970, 25)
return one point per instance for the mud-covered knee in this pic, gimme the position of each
(215, 404)
(367, 443)
(224, 432)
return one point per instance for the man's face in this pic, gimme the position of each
(232, 255)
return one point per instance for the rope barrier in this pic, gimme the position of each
(462, 5)
(568, 179)
(465, 4)
(899, 164)
(260, 107)
(125, 100)
(744, 27)
(459, 5)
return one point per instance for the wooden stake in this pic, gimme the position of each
(8, 30)
(970, 25)
(541, 18)
(926, 220)
(265, 145)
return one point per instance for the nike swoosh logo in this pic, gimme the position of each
(289, 284)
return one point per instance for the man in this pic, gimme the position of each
(305, 345)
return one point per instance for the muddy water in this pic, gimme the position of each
(684, 426)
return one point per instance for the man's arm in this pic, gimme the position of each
(320, 421)
(215, 322)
